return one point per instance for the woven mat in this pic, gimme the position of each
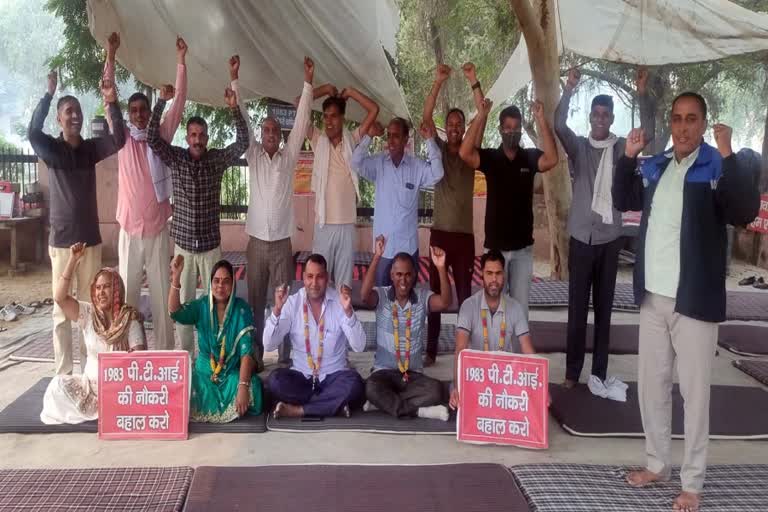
(757, 369)
(589, 488)
(106, 489)
(552, 337)
(744, 340)
(547, 293)
(747, 306)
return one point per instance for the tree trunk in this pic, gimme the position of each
(537, 21)
(437, 47)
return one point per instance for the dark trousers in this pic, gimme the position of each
(336, 390)
(590, 267)
(387, 391)
(460, 258)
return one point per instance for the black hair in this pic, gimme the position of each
(698, 97)
(197, 120)
(274, 120)
(403, 125)
(456, 111)
(138, 96)
(223, 264)
(66, 99)
(317, 259)
(492, 255)
(603, 100)
(335, 101)
(511, 111)
(404, 256)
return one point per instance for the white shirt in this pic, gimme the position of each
(270, 206)
(662, 244)
(338, 329)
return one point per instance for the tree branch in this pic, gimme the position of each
(608, 79)
(526, 17)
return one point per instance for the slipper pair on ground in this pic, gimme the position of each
(754, 282)
(10, 312)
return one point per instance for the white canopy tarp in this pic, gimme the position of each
(345, 38)
(647, 32)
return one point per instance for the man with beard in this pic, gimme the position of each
(595, 228)
(320, 321)
(509, 171)
(196, 173)
(490, 319)
(397, 385)
(452, 226)
(74, 216)
(143, 199)
(398, 178)
(270, 207)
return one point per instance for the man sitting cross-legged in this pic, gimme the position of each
(319, 321)
(397, 385)
(490, 319)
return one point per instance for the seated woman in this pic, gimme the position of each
(106, 324)
(223, 384)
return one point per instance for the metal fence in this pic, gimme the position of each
(18, 166)
(234, 198)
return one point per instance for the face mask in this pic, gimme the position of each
(511, 140)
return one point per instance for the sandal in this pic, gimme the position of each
(48, 302)
(748, 281)
(760, 284)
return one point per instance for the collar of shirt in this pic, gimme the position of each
(484, 304)
(412, 297)
(686, 162)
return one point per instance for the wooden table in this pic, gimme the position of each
(34, 224)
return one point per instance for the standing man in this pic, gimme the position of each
(509, 171)
(490, 319)
(319, 321)
(196, 173)
(594, 225)
(687, 194)
(397, 385)
(270, 207)
(334, 181)
(398, 178)
(74, 216)
(143, 208)
(452, 226)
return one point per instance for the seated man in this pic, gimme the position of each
(224, 386)
(107, 324)
(397, 385)
(490, 319)
(319, 321)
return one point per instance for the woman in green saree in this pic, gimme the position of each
(224, 386)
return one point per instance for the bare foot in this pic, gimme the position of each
(568, 383)
(344, 411)
(642, 478)
(283, 410)
(686, 502)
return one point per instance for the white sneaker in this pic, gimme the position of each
(617, 390)
(7, 314)
(597, 387)
(435, 412)
(368, 407)
(21, 309)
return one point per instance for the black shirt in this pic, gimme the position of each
(509, 206)
(74, 214)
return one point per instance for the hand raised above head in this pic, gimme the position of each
(167, 92)
(635, 142)
(53, 81)
(470, 72)
(574, 75)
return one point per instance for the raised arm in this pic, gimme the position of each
(231, 153)
(736, 194)
(159, 146)
(371, 107)
(547, 139)
(438, 303)
(442, 73)
(68, 304)
(350, 325)
(278, 324)
(303, 113)
(431, 170)
(172, 120)
(627, 190)
(567, 137)
(366, 165)
(234, 77)
(321, 91)
(187, 313)
(470, 73)
(111, 143)
(367, 293)
(469, 150)
(113, 43)
(41, 142)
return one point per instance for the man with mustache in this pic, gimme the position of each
(490, 319)
(196, 173)
(452, 226)
(74, 216)
(509, 171)
(594, 225)
(398, 178)
(397, 385)
(270, 208)
(143, 199)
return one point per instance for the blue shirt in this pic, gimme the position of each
(397, 192)
(418, 303)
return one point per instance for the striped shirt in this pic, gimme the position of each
(418, 303)
(196, 184)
